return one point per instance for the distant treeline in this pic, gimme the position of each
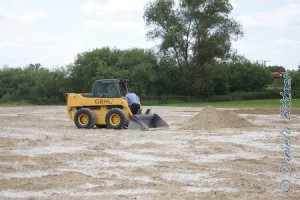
(150, 75)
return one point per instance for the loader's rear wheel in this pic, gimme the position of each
(84, 118)
(116, 119)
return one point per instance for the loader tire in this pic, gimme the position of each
(116, 119)
(85, 118)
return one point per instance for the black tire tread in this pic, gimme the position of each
(91, 115)
(122, 115)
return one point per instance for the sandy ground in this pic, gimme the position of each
(44, 156)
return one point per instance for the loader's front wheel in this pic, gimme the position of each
(115, 118)
(84, 118)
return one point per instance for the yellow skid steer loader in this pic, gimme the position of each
(106, 107)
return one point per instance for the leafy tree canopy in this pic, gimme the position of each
(192, 31)
(276, 68)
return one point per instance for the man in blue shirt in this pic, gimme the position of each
(133, 102)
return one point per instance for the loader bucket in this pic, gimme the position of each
(147, 121)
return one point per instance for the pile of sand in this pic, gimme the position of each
(211, 118)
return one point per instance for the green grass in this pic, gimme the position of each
(269, 103)
(265, 103)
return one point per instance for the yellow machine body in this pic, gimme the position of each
(107, 107)
(99, 106)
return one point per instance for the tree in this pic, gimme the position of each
(295, 81)
(247, 76)
(137, 65)
(33, 84)
(194, 32)
(276, 68)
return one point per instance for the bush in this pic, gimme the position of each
(249, 77)
(218, 98)
(295, 93)
(268, 94)
(295, 80)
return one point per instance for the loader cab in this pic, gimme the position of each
(109, 88)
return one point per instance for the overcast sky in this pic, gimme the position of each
(54, 32)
